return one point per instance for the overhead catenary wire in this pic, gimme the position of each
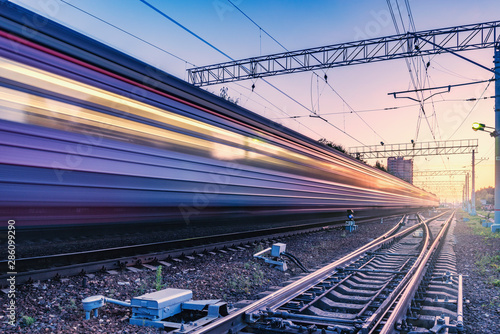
(396, 107)
(417, 84)
(126, 32)
(171, 54)
(313, 113)
(352, 109)
(472, 109)
(183, 27)
(224, 54)
(215, 48)
(414, 79)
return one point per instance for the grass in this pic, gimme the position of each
(158, 279)
(477, 227)
(27, 321)
(250, 276)
(258, 248)
(487, 264)
(72, 304)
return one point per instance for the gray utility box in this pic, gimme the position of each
(161, 304)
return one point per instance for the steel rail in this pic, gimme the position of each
(68, 264)
(237, 320)
(369, 324)
(408, 294)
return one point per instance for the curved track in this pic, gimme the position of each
(368, 291)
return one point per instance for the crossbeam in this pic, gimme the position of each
(422, 43)
(439, 183)
(447, 147)
(423, 173)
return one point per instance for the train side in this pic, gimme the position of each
(89, 135)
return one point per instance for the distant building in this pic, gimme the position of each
(401, 168)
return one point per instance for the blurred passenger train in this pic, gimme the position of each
(90, 135)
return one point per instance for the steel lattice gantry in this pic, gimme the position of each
(440, 183)
(460, 38)
(463, 146)
(424, 173)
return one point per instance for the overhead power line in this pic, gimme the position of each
(221, 52)
(313, 113)
(473, 107)
(183, 27)
(262, 29)
(126, 32)
(167, 52)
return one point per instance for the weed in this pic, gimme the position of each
(158, 284)
(258, 248)
(27, 321)
(72, 304)
(477, 227)
(141, 289)
(251, 276)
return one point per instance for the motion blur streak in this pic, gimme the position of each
(87, 138)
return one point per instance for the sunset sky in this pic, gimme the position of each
(303, 24)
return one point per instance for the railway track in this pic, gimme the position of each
(69, 264)
(402, 282)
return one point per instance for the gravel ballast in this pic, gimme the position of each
(56, 306)
(478, 259)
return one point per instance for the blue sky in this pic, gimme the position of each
(304, 24)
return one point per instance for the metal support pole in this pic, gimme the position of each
(473, 195)
(496, 227)
(463, 197)
(467, 194)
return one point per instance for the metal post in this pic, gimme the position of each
(496, 227)
(463, 198)
(467, 194)
(473, 195)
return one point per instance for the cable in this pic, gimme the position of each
(171, 54)
(126, 32)
(183, 27)
(473, 107)
(296, 261)
(262, 29)
(218, 50)
(398, 107)
(416, 84)
(282, 111)
(314, 114)
(409, 64)
(352, 109)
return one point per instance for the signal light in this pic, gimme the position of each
(350, 214)
(478, 126)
